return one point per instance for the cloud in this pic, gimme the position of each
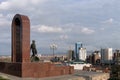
(102, 29)
(1, 15)
(13, 4)
(4, 5)
(87, 30)
(47, 29)
(63, 37)
(54, 16)
(109, 21)
(3, 21)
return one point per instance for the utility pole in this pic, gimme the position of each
(53, 47)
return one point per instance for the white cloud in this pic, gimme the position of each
(76, 12)
(14, 4)
(87, 30)
(63, 37)
(47, 29)
(109, 21)
(4, 5)
(37, 1)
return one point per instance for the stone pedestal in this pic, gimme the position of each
(35, 69)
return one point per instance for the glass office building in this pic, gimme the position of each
(78, 45)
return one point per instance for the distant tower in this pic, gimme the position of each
(78, 45)
(20, 38)
(106, 55)
(82, 53)
(70, 55)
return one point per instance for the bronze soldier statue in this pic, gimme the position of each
(33, 48)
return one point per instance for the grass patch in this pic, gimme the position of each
(1, 78)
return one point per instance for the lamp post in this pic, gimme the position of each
(53, 47)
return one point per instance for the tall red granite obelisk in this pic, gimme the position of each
(20, 38)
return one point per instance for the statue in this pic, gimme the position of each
(33, 48)
(34, 57)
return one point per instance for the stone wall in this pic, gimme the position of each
(44, 70)
(35, 69)
(11, 68)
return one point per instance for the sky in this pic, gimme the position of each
(95, 23)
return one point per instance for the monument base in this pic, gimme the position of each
(35, 69)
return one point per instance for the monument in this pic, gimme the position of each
(21, 65)
(20, 39)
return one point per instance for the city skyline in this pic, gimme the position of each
(95, 23)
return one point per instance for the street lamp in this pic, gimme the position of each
(53, 47)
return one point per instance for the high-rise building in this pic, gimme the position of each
(78, 45)
(106, 55)
(70, 55)
(82, 54)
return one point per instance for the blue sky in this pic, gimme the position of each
(64, 22)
